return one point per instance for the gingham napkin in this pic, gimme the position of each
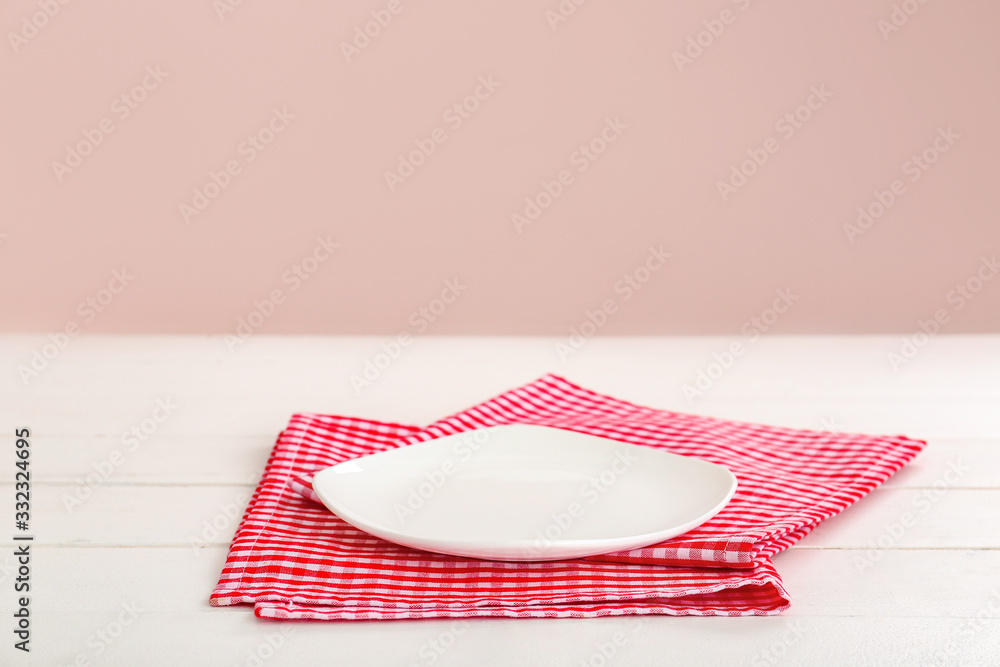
(292, 558)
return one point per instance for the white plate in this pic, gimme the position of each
(524, 492)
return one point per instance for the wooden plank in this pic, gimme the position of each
(221, 413)
(935, 518)
(230, 637)
(132, 515)
(785, 368)
(177, 515)
(239, 460)
(842, 617)
(796, 381)
(157, 459)
(822, 582)
(877, 616)
(931, 466)
(899, 578)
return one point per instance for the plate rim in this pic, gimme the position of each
(594, 546)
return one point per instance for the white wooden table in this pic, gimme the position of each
(121, 569)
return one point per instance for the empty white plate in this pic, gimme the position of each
(524, 492)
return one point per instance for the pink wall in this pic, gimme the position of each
(159, 96)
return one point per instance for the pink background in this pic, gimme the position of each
(655, 185)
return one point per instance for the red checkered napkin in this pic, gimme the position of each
(292, 558)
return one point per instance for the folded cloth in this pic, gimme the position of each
(292, 558)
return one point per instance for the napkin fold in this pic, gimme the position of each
(293, 559)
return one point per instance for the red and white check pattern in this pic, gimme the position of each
(292, 558)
